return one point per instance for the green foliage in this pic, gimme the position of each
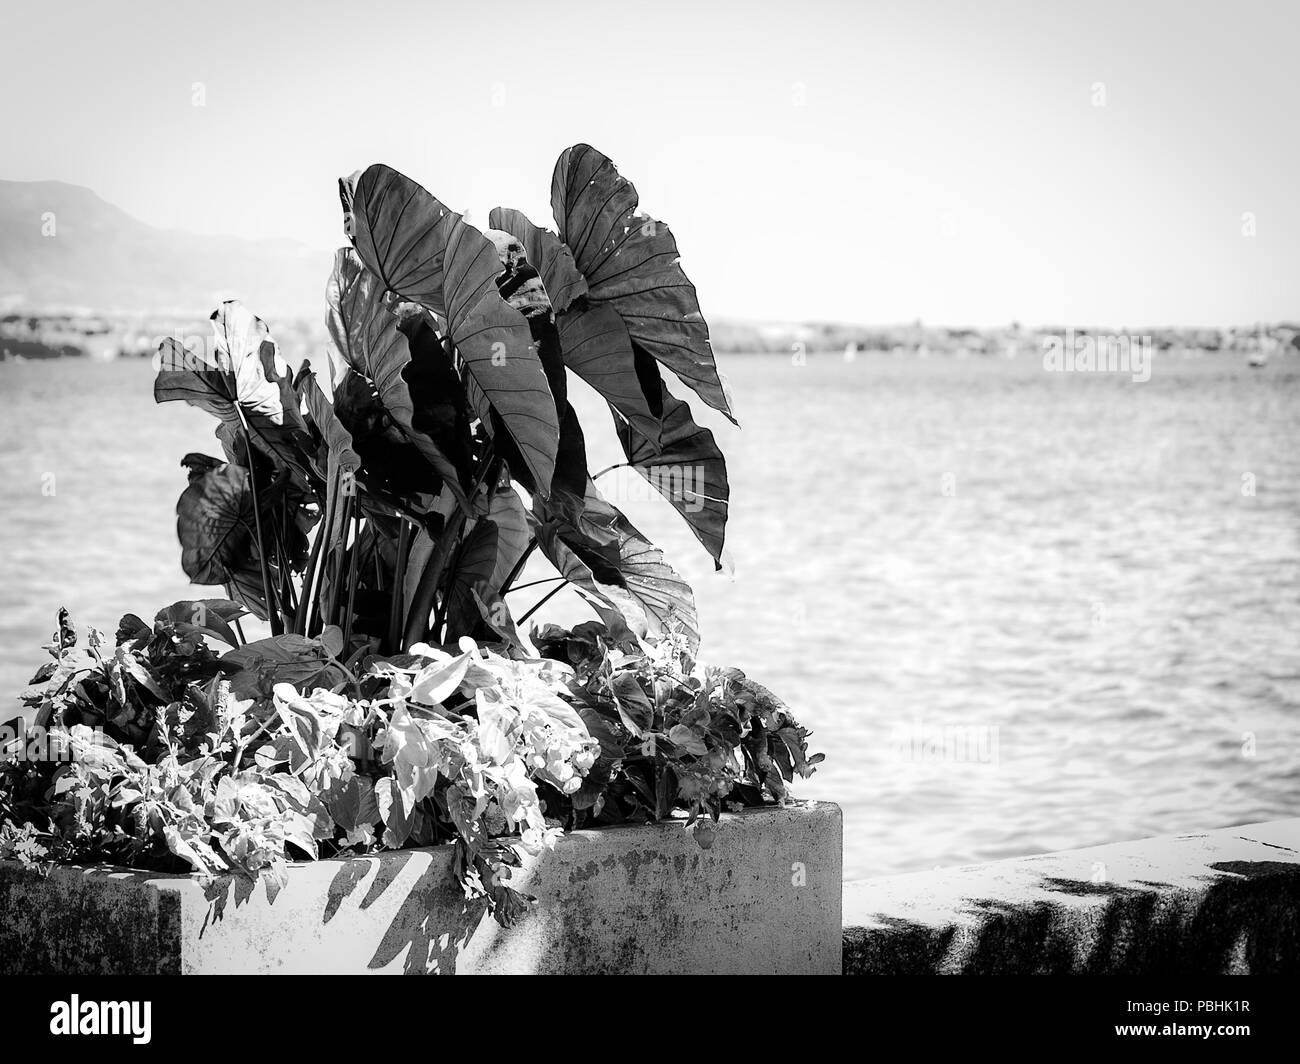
(673, 734)
(397, 495)
(146, 755)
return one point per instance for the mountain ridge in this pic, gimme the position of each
(64, 247)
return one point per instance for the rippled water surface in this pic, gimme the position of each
(1021, 611)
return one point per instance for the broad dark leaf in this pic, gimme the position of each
(441, 406)
(630, 262)
(205, 617)
(474, 567)
(216, 528)
(244, 584)
(616, 566)
(609, 598)
(429, 255)
(594, 344)
(507, 512)
(505, 376)
(611, 745)
(685, 467)
(131, 629)
(341, 456)
(214, 521)
(257, 667)
(419, 248)
(634, 708)
(368, 340)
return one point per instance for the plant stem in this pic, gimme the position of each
(272, 607)
(440, 612)
(426, 591)
(244, 743)
(331, 601)
(399, 580)
(534, 583)
(352, 581)
(518, 567)
(321, 558)
(542, 602)
(609, 469)
(287, 602)
(305, 604)
(417, 617)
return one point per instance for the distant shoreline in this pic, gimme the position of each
(107, 336)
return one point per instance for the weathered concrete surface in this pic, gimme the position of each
(764, 899)
(107, 922)
(1220, 902)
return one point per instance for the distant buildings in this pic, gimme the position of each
(107, 336)
(1010, 341)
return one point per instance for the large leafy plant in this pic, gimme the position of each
(439, 450)
(377, 515)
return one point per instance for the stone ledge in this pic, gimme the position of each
(1220, 902)
(643, 899)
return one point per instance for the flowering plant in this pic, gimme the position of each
(162, 754)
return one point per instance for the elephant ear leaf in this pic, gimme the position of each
(419, 248)
(214, 518)
(340, 452)
(243, 380)
(616, 567)
(686, 467)
(507, 512)
(630, 262)
(367, 339)
(551, 258)
(508, 380)
(428, 254)
(214, 521)
(594, 344)
(473, 573)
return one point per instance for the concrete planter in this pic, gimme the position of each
(766, 898)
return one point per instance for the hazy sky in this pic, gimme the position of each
(854, 161)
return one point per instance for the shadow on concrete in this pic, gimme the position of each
(432, 924)
(1244, 918)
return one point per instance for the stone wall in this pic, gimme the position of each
(1218, 902)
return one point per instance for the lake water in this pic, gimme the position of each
(1021, 610)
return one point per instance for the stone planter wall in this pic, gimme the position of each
(764, 899)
